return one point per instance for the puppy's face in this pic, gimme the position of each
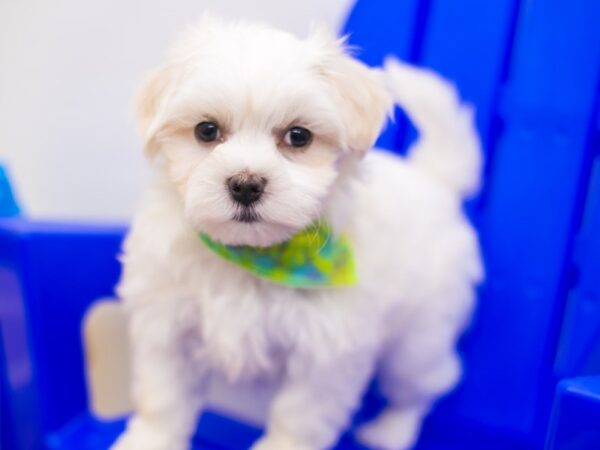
(251, 126)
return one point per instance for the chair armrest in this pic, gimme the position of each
(49, 275)
(575, 421)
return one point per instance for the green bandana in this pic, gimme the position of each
(310, 259)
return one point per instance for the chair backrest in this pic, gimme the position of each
(532, 71)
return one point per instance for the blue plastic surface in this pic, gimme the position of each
(532, 70)
(576, 415)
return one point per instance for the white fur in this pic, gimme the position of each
(194, 315)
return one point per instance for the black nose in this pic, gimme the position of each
(246, 189)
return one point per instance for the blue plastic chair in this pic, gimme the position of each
(532, 70)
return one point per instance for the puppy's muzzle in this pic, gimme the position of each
(246, 189)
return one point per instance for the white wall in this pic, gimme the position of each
(68, 71)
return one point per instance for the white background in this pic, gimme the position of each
(68, 69)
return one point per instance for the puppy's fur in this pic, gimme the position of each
(193, 314)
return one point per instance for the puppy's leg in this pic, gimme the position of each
(166, 396)
(414, 373)
(312, 408)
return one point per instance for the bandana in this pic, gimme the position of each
(312, 258)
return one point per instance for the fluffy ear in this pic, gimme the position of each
(150, 103)
(359, 91)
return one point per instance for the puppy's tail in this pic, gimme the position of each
(448, 147)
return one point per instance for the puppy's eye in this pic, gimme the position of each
(297, 137)
(207, 131)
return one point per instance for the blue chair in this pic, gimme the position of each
(532, 356)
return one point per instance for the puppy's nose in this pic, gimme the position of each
(246, 189)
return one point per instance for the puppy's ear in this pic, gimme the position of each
(150, 104)
(359, 91)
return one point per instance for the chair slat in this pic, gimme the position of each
(579, 348)
(468, 42)
(378, 28)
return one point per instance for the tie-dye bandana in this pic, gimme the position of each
(310, 259)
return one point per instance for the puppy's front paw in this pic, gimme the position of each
(280, 442)
(394, 429)
(142, 436)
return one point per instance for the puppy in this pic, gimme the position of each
(257, 136)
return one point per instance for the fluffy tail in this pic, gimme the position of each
(448, 147)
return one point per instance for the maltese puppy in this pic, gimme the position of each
(272, 245)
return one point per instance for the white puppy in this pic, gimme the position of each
(245, 108)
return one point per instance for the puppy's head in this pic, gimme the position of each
(251, 126)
